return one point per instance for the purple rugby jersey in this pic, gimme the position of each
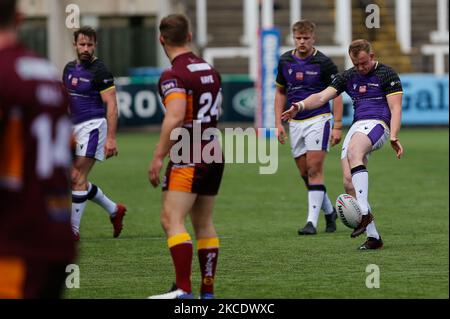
(369, 92)
(303, 77)
(84, 83)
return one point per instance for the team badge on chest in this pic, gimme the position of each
(362, 89)
(74, 81)
(299, 76)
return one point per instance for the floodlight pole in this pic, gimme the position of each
(59, 44)
(267, 13)
(295, 14)
(403, 24)
(343, 26)
(250, 36)
(164, 8)
(441, 34)
(202, 23)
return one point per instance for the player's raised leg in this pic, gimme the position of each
(360, 145)
(207, 243)
(176, 206)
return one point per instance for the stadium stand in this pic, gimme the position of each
(225, 27)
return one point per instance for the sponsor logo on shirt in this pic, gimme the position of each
(74, 81)
(85, 80)
(299, 76)
(362, 89)
(312, 72)
(373, 84)
(167, 85)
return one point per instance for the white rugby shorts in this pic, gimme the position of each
(310, 135)
(90, 137)
(376, 130)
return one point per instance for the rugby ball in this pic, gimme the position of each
(348, 210)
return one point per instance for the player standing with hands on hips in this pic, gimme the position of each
(376, 92)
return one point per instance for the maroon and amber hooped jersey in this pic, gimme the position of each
(191, 78)
(35, 159)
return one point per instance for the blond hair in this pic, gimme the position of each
(304, 26)
(359, 45)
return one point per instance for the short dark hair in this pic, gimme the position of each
(86, 31)
(175, 29)
(304, 26)
(359, 45)
(7, 11)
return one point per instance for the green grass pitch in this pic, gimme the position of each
(257, 218)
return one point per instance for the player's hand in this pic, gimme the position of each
(336, 135)
(398, 148)
(111, 148)
(281, 134)
(289, 114)
(154, 170)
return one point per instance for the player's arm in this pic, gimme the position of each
(328, 74)
(280, 102)
(109, 99)
(175, 113)
(392, 86)
(395, 105)
(338, 109)
(311, 102)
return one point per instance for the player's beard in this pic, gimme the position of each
(85, 57)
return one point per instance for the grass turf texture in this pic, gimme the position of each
(257, 218)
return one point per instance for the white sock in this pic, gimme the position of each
(315, 199)
(96, 195)
(360, 180)
(371, 230)
(327, 206)
(79, 200)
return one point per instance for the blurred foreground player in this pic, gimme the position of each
(35, 232)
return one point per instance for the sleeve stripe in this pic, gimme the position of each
(395, 93)
(108, 89)
(173, 96)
